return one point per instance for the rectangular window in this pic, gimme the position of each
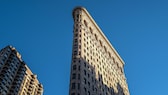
(88, 92)
(89, 84)
(73, 85)
(84, 80)
(73, 94)
(78, 85)
(85, 72)
(76, 30)
(92, 87)
(88, 75)
(85, 89)
(74, 76)
(78, 76)
(74, 67)
(76, 40)
(84, 64)
(79, 68)
(75, 52)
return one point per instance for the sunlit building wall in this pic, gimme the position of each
(97, 68)
(15, 77)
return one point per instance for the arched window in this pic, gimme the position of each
(105, 49)
(100, 42)
(95, 36)
(91, 31)
(109, 54)
(86, 24)
(113, 59)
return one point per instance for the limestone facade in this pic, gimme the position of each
(96, 68)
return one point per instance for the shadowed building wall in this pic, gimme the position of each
(96, 69)
(15, 77)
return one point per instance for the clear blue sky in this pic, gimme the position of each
(42, 32)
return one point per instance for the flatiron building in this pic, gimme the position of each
(96, 67)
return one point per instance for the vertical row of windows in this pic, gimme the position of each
(78, 17)
(75, 76)
(77, 39)
(76, 52)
